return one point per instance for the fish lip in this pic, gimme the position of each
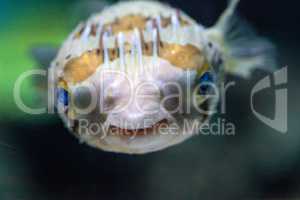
(138, 131)
(140, 122)
(135, 129)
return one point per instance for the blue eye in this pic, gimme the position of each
(63, 96)
(204, 81)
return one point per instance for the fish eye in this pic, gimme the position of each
(205, 83)
(81, 97)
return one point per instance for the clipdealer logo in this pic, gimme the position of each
(278, 123)
(280, 78)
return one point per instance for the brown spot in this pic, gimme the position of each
(75, 126)
(98, 51)
(146, 47)
(94, 30)
(79, 33)
(161, 44)
(113, 54)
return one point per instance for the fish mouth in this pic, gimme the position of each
(114, 130)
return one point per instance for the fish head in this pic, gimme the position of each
(136, 82)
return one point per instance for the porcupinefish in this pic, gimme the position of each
(135, 77)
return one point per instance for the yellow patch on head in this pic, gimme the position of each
(79, 69)
(183, 56)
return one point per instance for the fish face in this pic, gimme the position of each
(133, 79)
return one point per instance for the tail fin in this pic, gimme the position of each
(243, 49)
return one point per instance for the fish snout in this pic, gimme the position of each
(139, 109)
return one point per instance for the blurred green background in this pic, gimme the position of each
(39, 159)
(29, 24)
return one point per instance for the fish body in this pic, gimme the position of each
(134, 77)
